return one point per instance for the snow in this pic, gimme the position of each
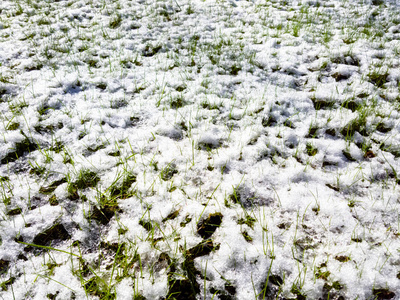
(241, 108)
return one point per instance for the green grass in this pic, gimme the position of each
(197, 77)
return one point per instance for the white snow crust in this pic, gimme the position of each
(280, 116)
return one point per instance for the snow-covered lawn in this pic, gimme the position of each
(189, 149)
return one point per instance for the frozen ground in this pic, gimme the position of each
(183, 149)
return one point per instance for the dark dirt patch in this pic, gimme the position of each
(202, 145)
(114, 153)
(382, 127)
(186, 221)
(332, 187)
(86, 179)
(4, 178)
(369, 154)
(381, 294)
(182, 290)
(116, 249)
(104, 214)
(377, 79)
(207, 227)
(14, 212)
(171, 216)
(163, 262)
(188, 288)
(48, 129)
(249, 221)
(53, 200)
(329, 291)
(341, 76)
(58, 146)
(358, 125)
(268, 121)
(350, 60)
(22, 257)
(352, 105)
(224, 295)
(168, 172)
(5, 284)
(83, 269)
(204, 248)
(150, 50)
(311, 149)
(4, 264)
(342, 258)
(246, 236)
(19, 150)
(275, 279)
(51, 188)
(73, 194)
(356, 240)
(177, 103)
(54, 233)
(347, 154)
(285, 225)
(328, 163)
(52, 296)
(312, 132)
(95, 148)
(146, 225)
(297, 291)
(121, 191)
(270, 288)
(13, 126)
(113, 247)
(230, 288)
(331, 131)
(19, 238)
(322, 103)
